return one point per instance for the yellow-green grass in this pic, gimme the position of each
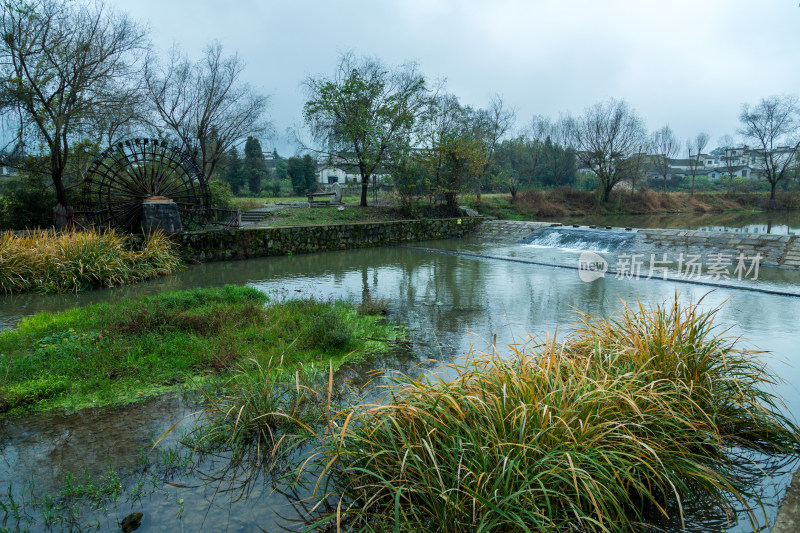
(73, 261)
(628, 416)
(118, 353)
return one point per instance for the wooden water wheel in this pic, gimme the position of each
(131, 172)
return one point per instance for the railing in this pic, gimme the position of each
(217, 218)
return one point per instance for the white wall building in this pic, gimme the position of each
(337, 169)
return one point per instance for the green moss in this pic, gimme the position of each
(110, 354)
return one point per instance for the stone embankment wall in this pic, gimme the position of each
(204, 246)
(775, 250)
(508, 230)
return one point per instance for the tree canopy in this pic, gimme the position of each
(774, 127)
(365, 113)
(205, 104)
(604, 137)
(66, 73)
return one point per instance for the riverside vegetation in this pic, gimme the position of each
(616, 427)
(604, 432)
(111, 354)
(534, 204)
(74, 261)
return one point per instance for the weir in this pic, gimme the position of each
(597, 240)
(782, 251)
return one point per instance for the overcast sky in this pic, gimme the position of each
(687, 63)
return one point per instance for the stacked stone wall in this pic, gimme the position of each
(508, 230)
(205, 246)
(775, 250)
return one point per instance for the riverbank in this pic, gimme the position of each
(609, 429)
(74, 261)
(116, 354)
(568, 202)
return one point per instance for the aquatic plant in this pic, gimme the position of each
(221, 338)
(74, 261)
(601, 432)
(276, 398)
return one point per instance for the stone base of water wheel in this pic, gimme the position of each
(160, 214)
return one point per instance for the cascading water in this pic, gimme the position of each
(613, 240)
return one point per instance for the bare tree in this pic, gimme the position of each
(774, 127)
(729, 157)
(694, 148)
(664, 146)
(636, 165)
(604, 137)
(205, 104)
(491, 126)
(66, 68)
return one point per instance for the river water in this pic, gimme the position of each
(454, 295)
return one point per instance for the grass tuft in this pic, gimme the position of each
(74, 261)
(601, 432)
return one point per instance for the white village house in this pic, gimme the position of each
(337, 168)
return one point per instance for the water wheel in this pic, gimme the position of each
(130, 172)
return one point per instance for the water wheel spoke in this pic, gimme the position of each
(126, 174)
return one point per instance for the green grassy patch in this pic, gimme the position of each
(111, 354)
(332, 215)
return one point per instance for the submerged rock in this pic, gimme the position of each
(131, 522)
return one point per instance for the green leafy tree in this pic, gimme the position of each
(66, 70)
(454, 155)
(254, 166)
(365, 113)
(281, 167)
(303, 174)
(310, 173)
(295, 171)
(233, 171)
(518, 160)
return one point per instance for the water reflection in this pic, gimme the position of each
(451, 303)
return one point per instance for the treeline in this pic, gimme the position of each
(78, 77)
(255, 174)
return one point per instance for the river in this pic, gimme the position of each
(454, 295)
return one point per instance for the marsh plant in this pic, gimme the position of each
(224, 339)
(614, 426)
(74, 261)
(271, 402)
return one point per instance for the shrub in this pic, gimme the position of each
(26, 202)
(220, 195)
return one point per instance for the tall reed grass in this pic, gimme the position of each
(622, 421)
(44, 261)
